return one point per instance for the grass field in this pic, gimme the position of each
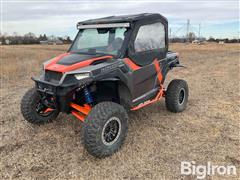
(209, 129)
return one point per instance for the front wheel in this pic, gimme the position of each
(34, 111)
(177, 95)
(105, 129)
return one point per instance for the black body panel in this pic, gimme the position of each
(135, 21)
(143, 80)
(124, 18)
(75, 58)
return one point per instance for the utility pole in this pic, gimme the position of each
(170, 32)
(199, 31)
(187, 34)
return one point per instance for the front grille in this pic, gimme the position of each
(52, 76)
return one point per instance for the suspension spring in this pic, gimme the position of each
(88, 96)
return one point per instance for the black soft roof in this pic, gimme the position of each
(123, 18)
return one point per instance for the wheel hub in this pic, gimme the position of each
(181, 96)
(41, 109)
(111, 131)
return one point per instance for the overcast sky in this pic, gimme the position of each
(218, 18)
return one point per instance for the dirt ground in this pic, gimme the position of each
(158, 140)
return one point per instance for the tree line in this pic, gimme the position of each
(226, 40)
(217, 40)
(192, 37)
(31, 38)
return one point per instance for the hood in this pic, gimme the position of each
(69, 62)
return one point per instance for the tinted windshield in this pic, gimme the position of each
(102, 40)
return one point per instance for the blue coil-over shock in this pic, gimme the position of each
(88, 96)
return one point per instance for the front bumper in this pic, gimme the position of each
(52, 88)
(61, 92)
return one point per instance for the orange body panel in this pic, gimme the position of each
(80, 112)
(158, 69)
(54, 61)
(85, 110)
(78, 115)
(48, 110)
(131, 64)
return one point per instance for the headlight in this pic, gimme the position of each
(81, 76)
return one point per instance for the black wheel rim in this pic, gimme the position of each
(111, 131)
(181, 96)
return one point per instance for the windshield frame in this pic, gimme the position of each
(121, 50)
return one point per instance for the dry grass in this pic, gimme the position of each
(157, 140)
(25, 60)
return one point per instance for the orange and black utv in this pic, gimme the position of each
(115, 64)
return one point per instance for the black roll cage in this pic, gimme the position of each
(135, 22)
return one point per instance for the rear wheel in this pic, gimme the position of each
(34, 111)
(105, 129)
(177, 95)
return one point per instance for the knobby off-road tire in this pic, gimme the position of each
(177, 95)
(29, 112)
(105, 118)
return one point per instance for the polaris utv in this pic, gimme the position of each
(115, 64)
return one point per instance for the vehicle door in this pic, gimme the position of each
(148, 44)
